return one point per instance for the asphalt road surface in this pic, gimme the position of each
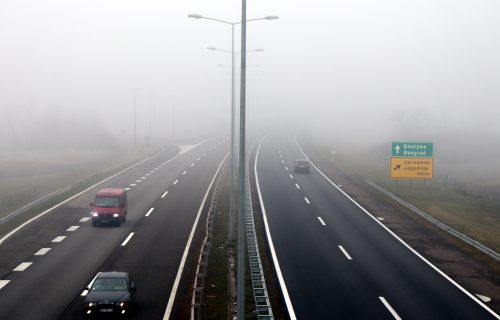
(45, 266)
(339, 262)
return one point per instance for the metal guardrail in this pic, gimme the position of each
(476, 244)
(262, 302)
(32, 204)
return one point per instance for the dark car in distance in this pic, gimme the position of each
(111, 294)
(301, 166)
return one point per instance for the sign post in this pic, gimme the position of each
(412, 160)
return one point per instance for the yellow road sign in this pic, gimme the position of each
(412, 168)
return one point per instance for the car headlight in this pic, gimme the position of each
(95, 214)
(115, 215)
(90, 305)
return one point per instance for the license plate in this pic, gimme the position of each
(106, 310)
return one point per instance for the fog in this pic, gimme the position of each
(366, 71)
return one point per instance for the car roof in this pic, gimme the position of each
(112, 274)
(110, 192)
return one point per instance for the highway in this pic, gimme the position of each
(336, 261)
(46, 265)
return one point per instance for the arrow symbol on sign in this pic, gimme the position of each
(397, 167)
(397, 148)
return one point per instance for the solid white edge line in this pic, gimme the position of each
(127, 239)
(321, 220)
(277, 267)
(345, 253)
(391, 310)
(470, 295)
(75, 196)
(149, 212)
(23, 266)
(42, 252)
(163, 195)
(173, 293)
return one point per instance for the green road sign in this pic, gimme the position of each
(412, 149)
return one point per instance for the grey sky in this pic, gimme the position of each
(346, 64)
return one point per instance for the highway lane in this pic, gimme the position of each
(46, 288)
(336, 261)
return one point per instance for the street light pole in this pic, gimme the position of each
(241, 217)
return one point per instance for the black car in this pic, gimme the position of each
(301, 166)
(111, 293)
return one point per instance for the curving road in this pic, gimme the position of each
(336, 260)
(45, 266)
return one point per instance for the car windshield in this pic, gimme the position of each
(302, 162)
(107, 201)
(109, 284)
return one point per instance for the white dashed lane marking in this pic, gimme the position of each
(72, 228)
(345, 253)
(143, 178)
(42, 251)
(192, 165)
(175, 182)
(132, 185)
(138, 181)
(307, 200)
(23, 266)
(286, 168)
(3, 283)
(291, 176)
(84, 219)
(59, 239)
(124, 243)
(128, 189)
(391, 310)
(184, 173)
(149, 212)
(321, 220)
(164, 195)
(298, 187)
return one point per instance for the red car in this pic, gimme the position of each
(110, 206)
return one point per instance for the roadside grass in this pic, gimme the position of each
(477, 217)
(27, 176)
